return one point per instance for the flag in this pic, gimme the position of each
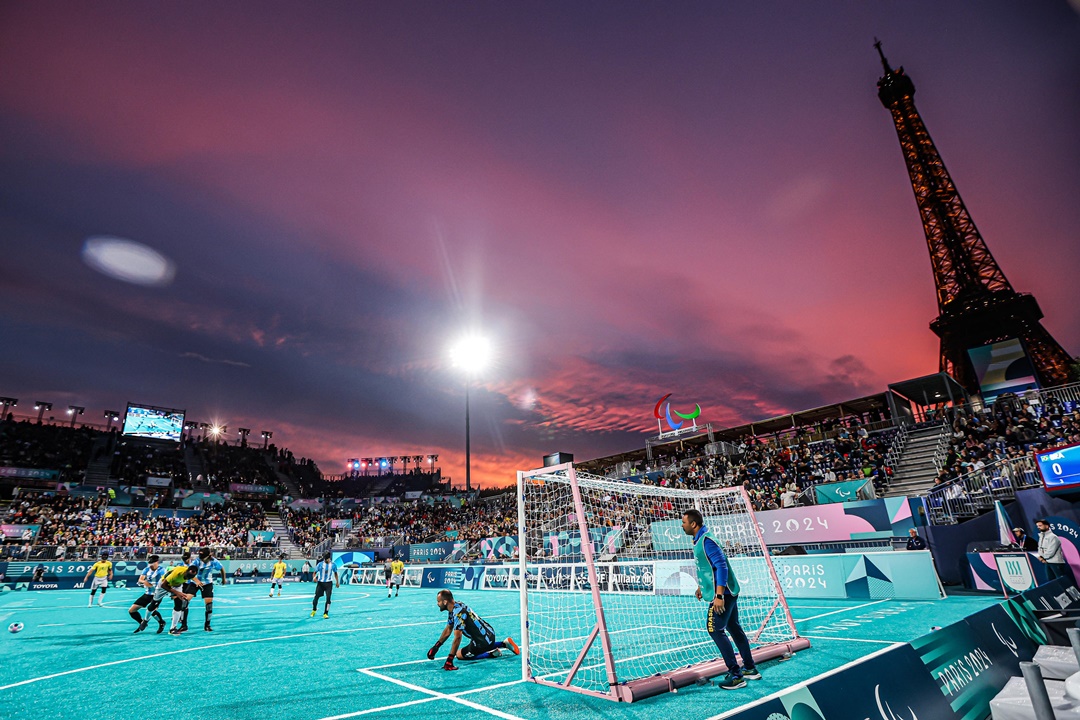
(1005, 534)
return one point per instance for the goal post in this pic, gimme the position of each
(608, 604)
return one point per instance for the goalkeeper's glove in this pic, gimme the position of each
(434, 649)
(449, 664)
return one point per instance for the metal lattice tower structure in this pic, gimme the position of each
(976, 304)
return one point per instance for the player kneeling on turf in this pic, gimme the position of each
(463, 620)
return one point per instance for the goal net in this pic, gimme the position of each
(609, 607)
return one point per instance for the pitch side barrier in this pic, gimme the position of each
(904, 576)
(948, 674)
(69, 575)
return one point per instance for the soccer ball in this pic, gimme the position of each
(15, 627)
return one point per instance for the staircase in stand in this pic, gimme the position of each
(281, 532)
(918, 467)
(196, 468)
(283, 480)
(99, 470)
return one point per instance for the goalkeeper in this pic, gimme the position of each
(717, 580)
(463, 621)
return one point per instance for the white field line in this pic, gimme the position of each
(586, 637)
(628, 659)
(218, 645)
(842, 610)
(804, 683)
(440, 696)
(410, 703)
(221, 603)
(862, 640)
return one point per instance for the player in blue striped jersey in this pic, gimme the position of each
(150, 579)
(209, 569)
(326, 579)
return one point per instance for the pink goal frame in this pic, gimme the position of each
(656, 684)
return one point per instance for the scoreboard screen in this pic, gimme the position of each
(147, 421)
(1060, 467)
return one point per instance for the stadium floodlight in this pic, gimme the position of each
(471, 354)
(266, 435)
(7, 402)
(75, 411)
(244, 432)
(112, 416)
(42, 407)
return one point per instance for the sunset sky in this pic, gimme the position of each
(629, 199)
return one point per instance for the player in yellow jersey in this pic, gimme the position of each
(171, 585)
(397, 576)
(277, 576)
(103, 573)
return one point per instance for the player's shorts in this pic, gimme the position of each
(278, 580)
(99, 582)
(476, 647)
(207, 591)
(396, 580)
(387, 574)
(161, 593)
(143, 600)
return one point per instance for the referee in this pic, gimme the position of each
(326, 579)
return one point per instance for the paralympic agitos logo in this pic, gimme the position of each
(663, 402)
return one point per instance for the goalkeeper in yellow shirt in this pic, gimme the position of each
(397, 576)
(277, 576)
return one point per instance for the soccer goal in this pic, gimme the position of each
(608, 607)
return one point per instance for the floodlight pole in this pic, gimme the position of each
(468, 451)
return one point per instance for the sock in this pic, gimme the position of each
(177, 616)
(501, 645)
(209, 611)
(135, 616)
(183, 614)
(483, 655)
(157, 616)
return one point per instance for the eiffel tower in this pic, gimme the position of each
(976, 304)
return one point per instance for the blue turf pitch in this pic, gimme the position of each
(268, 659)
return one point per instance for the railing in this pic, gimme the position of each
(944, 444)
(896, 449)
(322, 548)
(1062, 393)
(92, 552)
(975, 492)
(462, 552)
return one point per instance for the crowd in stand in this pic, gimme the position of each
(1009, 430)
(56, 447)
(407, 521)
(78, 523)
(776, 474)
(134, 461)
